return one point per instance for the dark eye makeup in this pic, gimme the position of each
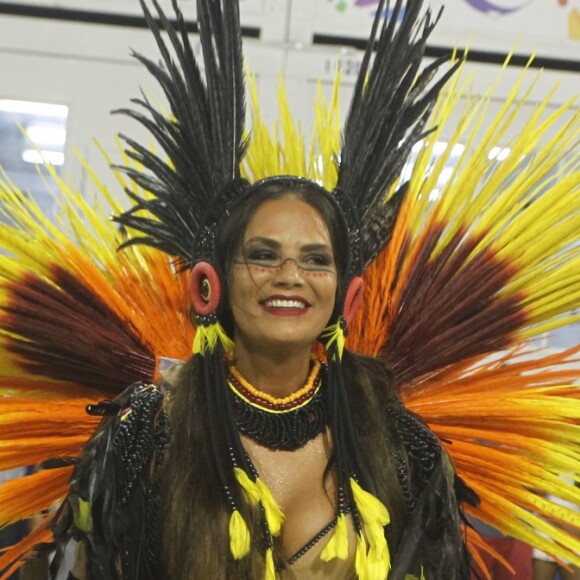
(268, 253)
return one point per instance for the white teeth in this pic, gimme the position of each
(285, 304)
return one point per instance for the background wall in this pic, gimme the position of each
(77, 53)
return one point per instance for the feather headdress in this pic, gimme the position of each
(465, 276)
(202, 136)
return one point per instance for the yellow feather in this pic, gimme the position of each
(337, 545)
(361, 564)
(557, 511)
(371, 509)
(207, 338)
(82, 515)
(270, 568)
(250, 489)
(375, 516)
(332, 334)
(378, 565)
(273, 512)
(239, 536)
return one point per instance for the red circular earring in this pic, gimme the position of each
(204, 289)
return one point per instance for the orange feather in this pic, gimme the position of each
(29, 496)
(12, 557)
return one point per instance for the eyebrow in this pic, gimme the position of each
(266, 241)
(269, 242)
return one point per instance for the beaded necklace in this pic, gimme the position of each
(286, 423)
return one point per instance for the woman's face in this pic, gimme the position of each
(284, 277)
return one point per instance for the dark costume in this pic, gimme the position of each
(112, 508)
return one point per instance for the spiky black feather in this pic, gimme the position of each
(201, 140)
(114, 479)
(387, 116)
(432, 546)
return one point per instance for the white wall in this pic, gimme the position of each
(88, 67)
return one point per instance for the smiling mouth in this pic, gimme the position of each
(278, 303)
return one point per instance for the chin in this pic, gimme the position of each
(288, 341)
(278, 335)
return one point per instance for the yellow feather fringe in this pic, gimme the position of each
(270, 571)
(371, 509)
(361, 559)
(337, 546)
(332, 334)
(250, 489)
(239, 536)
(256, 492)
(378, 564)
(208, 337)
(271, 153)
(82, 516)
(375, 517)
(274, 514)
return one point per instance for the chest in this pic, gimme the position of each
(297, 481)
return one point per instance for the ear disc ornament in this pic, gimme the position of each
(205, 292)
(204, 289)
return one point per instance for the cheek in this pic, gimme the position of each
(245, 274)
(246, 282)
(322, 276)
(254, 271)
(324, 284)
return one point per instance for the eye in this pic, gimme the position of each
(318, 260)
(262, 255)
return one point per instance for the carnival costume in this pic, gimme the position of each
(454, 286)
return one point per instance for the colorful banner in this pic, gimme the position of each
(550, 20)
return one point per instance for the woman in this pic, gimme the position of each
(256, 460)
(284, 253)
(287, 259)
(261, 458)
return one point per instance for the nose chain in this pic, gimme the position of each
(279, 267)
(287, 261)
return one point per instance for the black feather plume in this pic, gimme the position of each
(201, 140)
(390, 107)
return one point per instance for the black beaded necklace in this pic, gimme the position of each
(283, 424)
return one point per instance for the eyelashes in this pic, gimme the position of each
(312, 257)
(269, 261)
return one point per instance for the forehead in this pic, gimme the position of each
(288, 219)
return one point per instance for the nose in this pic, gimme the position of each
(288, 273)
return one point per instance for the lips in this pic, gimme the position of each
(285, 305)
